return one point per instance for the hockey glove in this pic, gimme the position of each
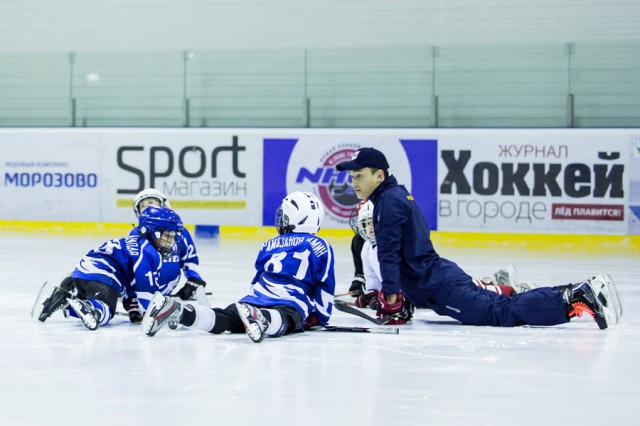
(311, 321)
(133, 309)
(357, 285)
(188, 290)
(368, 300)
(400, 312)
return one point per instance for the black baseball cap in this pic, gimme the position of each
(365, 157)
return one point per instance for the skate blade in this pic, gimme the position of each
(201, 297)
(43, 294)
(614, 296)
(606, 289)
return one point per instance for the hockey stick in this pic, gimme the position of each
(344, 294)
(374, 330)
(348, 308)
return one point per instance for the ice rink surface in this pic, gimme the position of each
(435, 372)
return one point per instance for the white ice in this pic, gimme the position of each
(434, 372)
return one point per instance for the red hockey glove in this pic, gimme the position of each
(188, 290)
(311, 321)
(368, 300)
(133, 309)
(400, 312)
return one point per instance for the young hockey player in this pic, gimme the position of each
(184, 260)
(410, 267)
(293, 286)
(101, 276)
(358, 284)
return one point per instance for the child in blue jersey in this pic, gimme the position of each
(410, 267)
(102, 275)
(183, 260)
(294, 283)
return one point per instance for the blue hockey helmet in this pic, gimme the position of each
(160, 225)
(300, 212)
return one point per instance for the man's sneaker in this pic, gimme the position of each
(85, 310)
(254, 322)
(57, 300)
(162, 310)
(597, 297)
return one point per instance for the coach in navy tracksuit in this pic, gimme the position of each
(411, 268)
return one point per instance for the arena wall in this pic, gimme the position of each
(529, 188)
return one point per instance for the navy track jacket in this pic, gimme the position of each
(408, 261)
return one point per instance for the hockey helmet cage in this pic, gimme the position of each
(365, 222)
(154, 221)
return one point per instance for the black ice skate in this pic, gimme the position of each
(57, 300)
(597, 297)
(85, 310)
(162, 310)
(254, 322)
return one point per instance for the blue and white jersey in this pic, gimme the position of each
(129, 261)
(295, 270)
(184, 259)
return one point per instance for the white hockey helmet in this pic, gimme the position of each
(149, 193)
(300, 212)
(365, 222)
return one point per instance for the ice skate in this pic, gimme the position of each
(254, 322)
(509, 277)
(608, 294)
(85, 310)
(57, 300)
(525, 286)
(506, 276)
(599, 298)
(162, 310)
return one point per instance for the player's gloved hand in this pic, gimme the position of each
(400, 312)
(188, 290)
(357, 285)
(311, 321)
(133, 308)
(368, 300)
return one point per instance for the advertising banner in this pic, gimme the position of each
(634, 186)
(210, 177)
(307, 162)
(533, 181)
(555, 181)
(51, 176)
